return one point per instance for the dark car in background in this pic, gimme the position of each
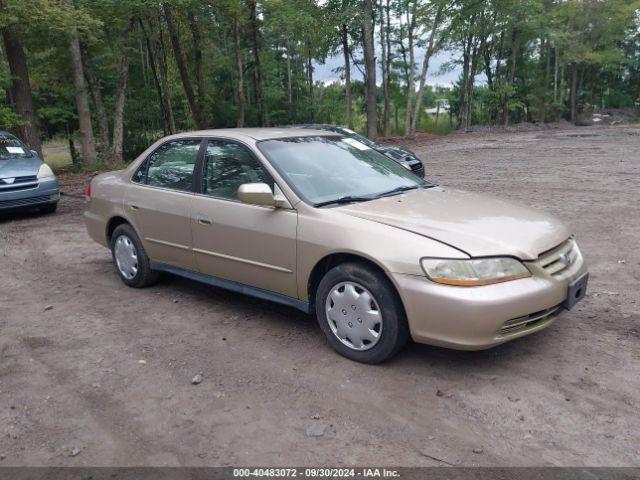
(404, 157)
(25, 180)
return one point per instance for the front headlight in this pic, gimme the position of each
(45, 171)
(471, 273)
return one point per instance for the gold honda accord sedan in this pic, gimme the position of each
(325, 224)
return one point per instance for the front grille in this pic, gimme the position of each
(26, 178)
(19, 183)
(558, 259)
(526, 322)
(24, 202)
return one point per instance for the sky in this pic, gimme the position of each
(324, 72)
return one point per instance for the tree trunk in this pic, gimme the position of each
(255, 39)
(194, 106)
(499, 57)
(199, 66)
(512, 72)
(410, 74)
(162, 97)
(574, 92)
(21, 88)
(118, 111)
(547, 77)
(347, 75)
(163, 70)
(310, 77)
(239, 72)
(555, 73)
(370, 67)
(102, 141)
(387, 119)
(423, 74)
(289, 84)
(470, 83)
(385, 77)
(466, 61)
(82, 103)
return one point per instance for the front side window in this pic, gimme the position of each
(170, 166)
(11, 147)
(332, 169)
(228, 165)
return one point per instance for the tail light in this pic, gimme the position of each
(87, 193)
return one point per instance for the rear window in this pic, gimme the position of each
(11, 147)
(171, 166)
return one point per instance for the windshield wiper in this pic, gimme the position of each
(404, 188)
(345, 199)
(397, 190)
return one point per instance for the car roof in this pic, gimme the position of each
(254, 133)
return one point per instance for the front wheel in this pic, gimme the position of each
(360, 313)
(130, 259)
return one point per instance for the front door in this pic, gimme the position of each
(249, 244)
(159, 202)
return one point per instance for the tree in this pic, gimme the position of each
(194, 103)
(434, 15)
(159, 73)
(370, 67)
(21, 86)
(82, 102)
(257, 67)
(144, 68)
(239, 70)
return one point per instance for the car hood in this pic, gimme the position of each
(479, 225)
(19, 167)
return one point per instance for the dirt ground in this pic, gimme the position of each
(95, 373)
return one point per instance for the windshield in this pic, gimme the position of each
(324, 170)
(13, 148)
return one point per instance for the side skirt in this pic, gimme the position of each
(233, 286)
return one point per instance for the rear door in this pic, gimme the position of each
(250, 244)
(159, 202)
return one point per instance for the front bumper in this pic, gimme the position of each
(37, 194)
(475, 318)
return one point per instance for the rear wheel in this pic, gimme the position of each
(360, 313)
(130, 259)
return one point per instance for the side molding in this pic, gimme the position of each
(233, 286)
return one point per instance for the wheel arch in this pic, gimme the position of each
(112, 224)
(331, 260)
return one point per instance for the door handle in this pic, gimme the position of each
(204, 221)
(133, 206)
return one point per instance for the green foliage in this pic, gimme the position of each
(523, 52)
(9, 119)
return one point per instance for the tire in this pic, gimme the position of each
(50, 208)
(134, 268)
(360, 283)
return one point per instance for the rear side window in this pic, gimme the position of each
(228, 165)
(170, 166)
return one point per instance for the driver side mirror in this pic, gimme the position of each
(261, 194)
(256, 194)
